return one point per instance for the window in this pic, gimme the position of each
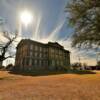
(40, 48)
(31, 53)
(36, 54)
(40, 55)
(45, 55)
(23, 62)
(61, 63)
(30, 62)
(27, 61)
(31, 47)
(40, 62)
(44, 49)
(58, 63)
(53, 63)
(46, 62)
(36, 47)
(35, 61)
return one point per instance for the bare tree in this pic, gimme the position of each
(6, 45)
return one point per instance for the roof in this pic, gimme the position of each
(55, 44)
(51, 44)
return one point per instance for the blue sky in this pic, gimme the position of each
(49, 23)
(51, 13)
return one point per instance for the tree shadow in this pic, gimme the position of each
(37, 73)
(2, 78)
(82, 72)
(47, 73)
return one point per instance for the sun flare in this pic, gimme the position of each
(26, 17)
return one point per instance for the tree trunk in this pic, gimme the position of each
(0, 64)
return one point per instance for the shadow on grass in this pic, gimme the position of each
(2, 78)
(7, 78)
(81, 72)
(37, 73)
(47, 73)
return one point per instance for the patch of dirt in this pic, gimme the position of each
(55, 87)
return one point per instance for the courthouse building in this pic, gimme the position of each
(32, 55)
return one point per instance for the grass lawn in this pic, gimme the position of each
(52, 87)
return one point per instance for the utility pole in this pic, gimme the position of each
(97, 58)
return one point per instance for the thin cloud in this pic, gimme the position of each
(55, 33)
(37, 29)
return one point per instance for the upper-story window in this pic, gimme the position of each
(52, 50)
(31, 47)
(45, 50)
(36, 54)
(36, 47)
(60, 52)
(40, 55)
(40, 48)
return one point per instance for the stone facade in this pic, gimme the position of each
(32, 55)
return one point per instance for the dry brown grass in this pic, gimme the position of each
(54, 87)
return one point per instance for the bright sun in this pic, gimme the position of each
(26, 17)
